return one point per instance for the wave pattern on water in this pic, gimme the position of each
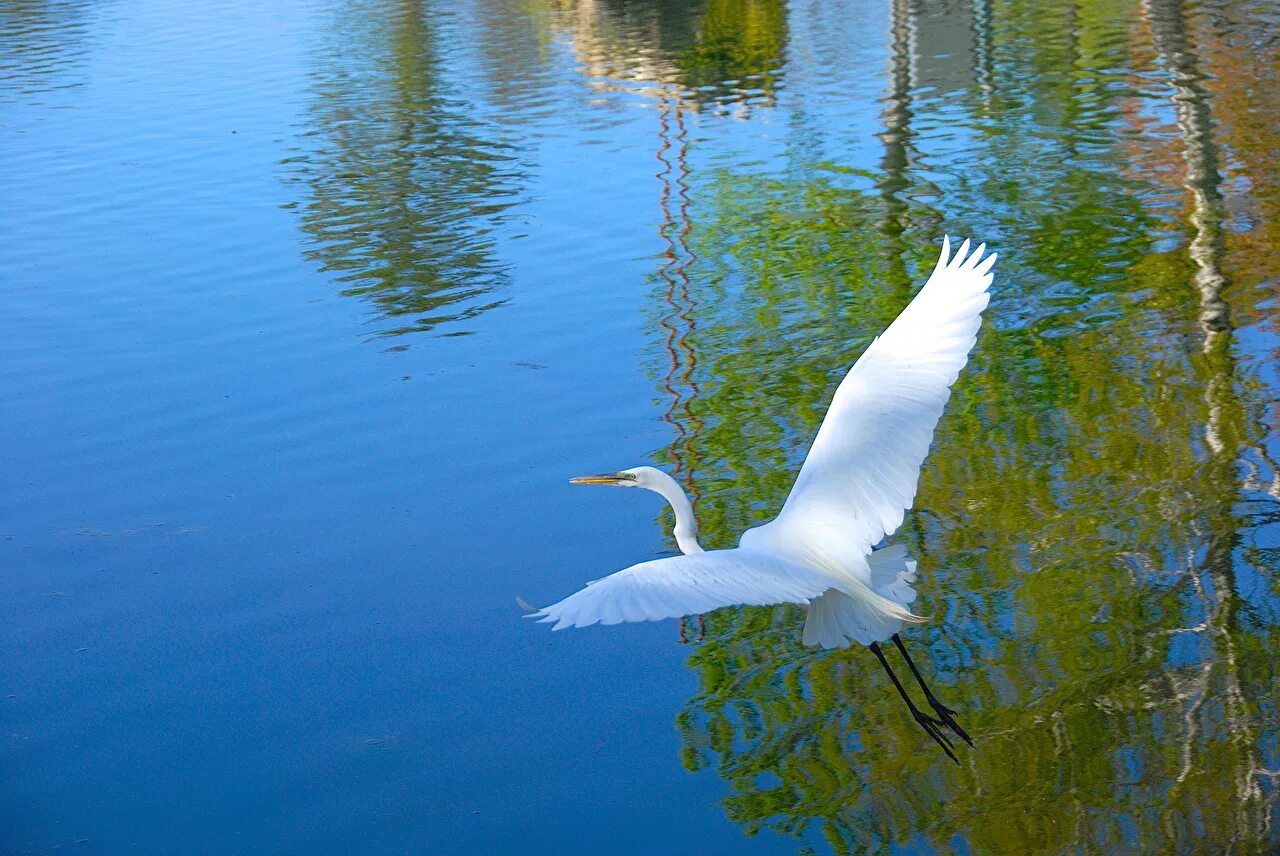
(44, 46)
(403, 186)
(1082, 514)
(265, 550)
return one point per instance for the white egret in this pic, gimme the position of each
(853, 488)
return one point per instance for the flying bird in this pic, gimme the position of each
(859, 478)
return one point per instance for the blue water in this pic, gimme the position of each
(309, 310)
(261, 569)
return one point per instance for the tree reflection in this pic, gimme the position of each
(1088, 522)
(727, 52)
(1084, 536)
(42, 45)
(406, 185)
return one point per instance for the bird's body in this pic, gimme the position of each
(857, 481)
(852, 491)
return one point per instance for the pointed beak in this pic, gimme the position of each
(603, 478)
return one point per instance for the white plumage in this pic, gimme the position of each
(684, 585)
(858, 479)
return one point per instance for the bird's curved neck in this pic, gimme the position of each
(686, 530)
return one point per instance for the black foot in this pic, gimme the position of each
(946, 714)
(933, 727)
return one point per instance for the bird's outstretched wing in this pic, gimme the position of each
(686, 585)
(862, 471)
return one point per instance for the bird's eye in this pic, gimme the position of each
(627, 476)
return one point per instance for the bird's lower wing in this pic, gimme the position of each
(686, 585)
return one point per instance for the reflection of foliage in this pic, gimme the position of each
(714, 50)
(39, 44)
(1064, 629)
(1245, 87)
(737, 41)
(772, 299)
(405, 187)
(1079, 522)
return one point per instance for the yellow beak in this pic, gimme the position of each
(603, 478)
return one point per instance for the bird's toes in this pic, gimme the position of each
(949, 721)
(960, 732)
(934, 728)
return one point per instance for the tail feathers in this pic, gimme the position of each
(838, 618)
(892, 574)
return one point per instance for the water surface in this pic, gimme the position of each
(309, 310)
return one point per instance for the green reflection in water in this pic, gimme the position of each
(1089, 522)
(405, 185)
(726, 52)
(1080, 540)
(1106, 606)
(408, 183)
(42, 47)
(738, 49)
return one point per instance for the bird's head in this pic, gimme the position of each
(686, 529)
(636, 477)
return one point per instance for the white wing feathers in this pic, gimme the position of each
(839, 617)
(862, 471)
(686, 585)
(859, 478)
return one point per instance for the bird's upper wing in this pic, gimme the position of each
(862, 471)
(686, 585)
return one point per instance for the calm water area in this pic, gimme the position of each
(308, 311)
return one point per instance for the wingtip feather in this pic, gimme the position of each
(976, 256)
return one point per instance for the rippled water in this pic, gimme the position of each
(309, 309)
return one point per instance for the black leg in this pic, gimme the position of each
(944, 712)
(928, 723)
